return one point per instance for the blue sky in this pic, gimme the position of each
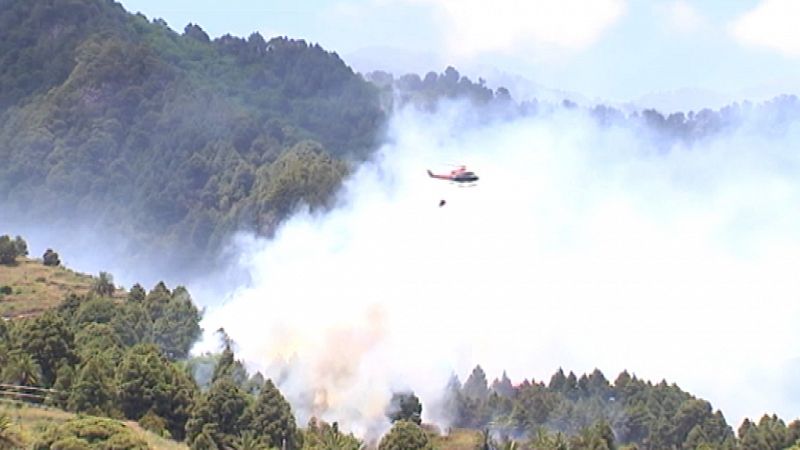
(616, 50)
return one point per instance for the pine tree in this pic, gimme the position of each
(223, 408)
(224, 367)
(93, 391)
(148, 382)
(271, 417)
(452, 401)
(503, 386)
(695, 438)
(99, 338)
(156, 300)
(254, 384)
(132, 324)
(598, 385)
(571, 386)
(50, 342)
(476, 386)
(558, 381)
(137, 294)
(63, 386)
(176, 322)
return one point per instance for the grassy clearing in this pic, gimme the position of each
(31, 421)
(155, 441)
(457, 439)
(36, 288)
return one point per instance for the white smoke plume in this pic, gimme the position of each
(580, 247)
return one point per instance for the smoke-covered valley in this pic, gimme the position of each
(661, 246)
(582, 246)
(625, 275)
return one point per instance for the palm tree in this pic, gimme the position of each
(104, 285)
(334, 440)
(9, 439)
(249, 441)
(22, 369)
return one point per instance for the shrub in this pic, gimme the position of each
(50, 258)
(70, 443)
(153, 423)
(86, 433)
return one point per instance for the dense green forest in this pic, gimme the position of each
(173, 141)
(169, 139)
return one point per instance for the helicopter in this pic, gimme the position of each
(459, 175)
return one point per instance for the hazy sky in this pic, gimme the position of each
(612, 49)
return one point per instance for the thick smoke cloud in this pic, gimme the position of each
(581, 247)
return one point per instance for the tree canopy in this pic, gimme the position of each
(169, 139)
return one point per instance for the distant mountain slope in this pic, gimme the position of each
(170, 140)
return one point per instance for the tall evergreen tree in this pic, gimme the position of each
(176, 320)
(271, 417)
(476, 386)
(50, 342)
(148, 382)
(137, 294)
(65, 378)
(558, 381)
(93, 391)
(99, 339)
(503, 386)
(225, 364)
(222, 409)
(132, 324)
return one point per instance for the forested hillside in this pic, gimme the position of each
(125, 355)
(168, 139)
(170, 142)
(426, 93)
